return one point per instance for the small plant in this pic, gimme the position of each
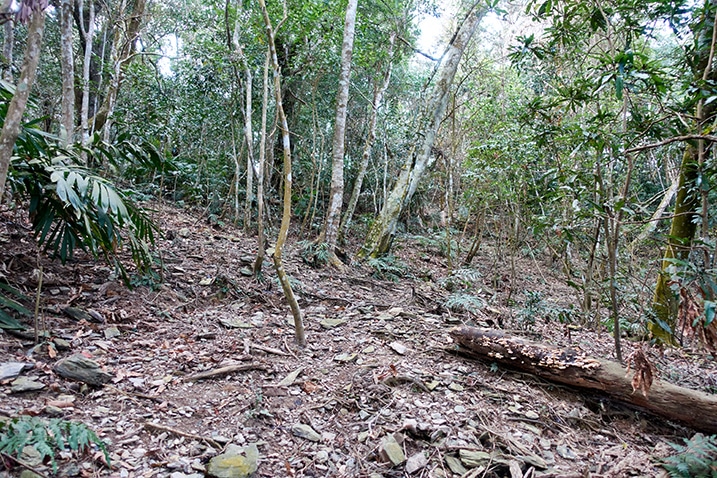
(47, 437)
(461, 279)
(533, 306)
(460, 302)
(314, 254)
(697, 458)
(388, 268)
(8, 303)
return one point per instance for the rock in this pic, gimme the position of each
(61, 344)
(391, 451)
(416, 462)
(13, 369)
(184, 232)
(80, 368)
(331, 323)
(79, 315)
(474, 459)
(29, 474)
(531, 415)
(246, 272)
(322, 456)
(455, 465)
(235, 462)
(112, 332)
(305, 431)
(53, 411)
(235, 323)
(345, 357)
(25, 384)
(565, 452)
(399, 348)
(456, 387)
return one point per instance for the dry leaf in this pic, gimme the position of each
(644, 371)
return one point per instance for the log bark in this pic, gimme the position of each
(695, 409)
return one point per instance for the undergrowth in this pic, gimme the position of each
(47, 437)
(697, 458)
(388, 267)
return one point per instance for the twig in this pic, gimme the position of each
(37, 304)
(133, 395)
(286, 346)
(268, 350)
(174, 431)
(223, 371)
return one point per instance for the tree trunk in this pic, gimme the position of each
(123, 47)
(260, 173)
(690, 193)
(378, 93)
(333, 215)
(67, 123)
(16, 109)
(88, 33)
(693, 408)
(379, 237)
(665, 302)
(8, 44)
(286, 215)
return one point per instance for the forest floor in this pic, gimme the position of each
(379, 362)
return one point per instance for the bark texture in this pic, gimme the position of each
(333, 215)
(16, 109)
(378, 94)
(379, 237)
(67, 123)
(695, 409)
(286, 214)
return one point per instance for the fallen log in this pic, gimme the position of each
(695, 409)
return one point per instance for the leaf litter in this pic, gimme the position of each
(206, 359)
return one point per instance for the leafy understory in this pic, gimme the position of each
(48, 438)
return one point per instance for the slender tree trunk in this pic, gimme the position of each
(8, 44)
(16, 109)
(378, 93)
(379, 237)
(88, 32)
(260, 173)
(123, 51)
(67, 123)
(286, 215)
(333, 216)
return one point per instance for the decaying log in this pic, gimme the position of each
(696, 409)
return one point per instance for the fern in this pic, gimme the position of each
(313, 254)
(460, 302)
(697, 458)
(388, 268)
(47, 437)
(461, 279)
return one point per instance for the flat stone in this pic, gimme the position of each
(112, 332)
(346, 357)
(331, 323)
(235, 324)
(455, 465)
(246, 272)
(61, 343)
(305, 431)
(391, 451)
(416, 462)
(53, 411)
(399, 348)
(456, 387)
(80, 368)
(235, 462)
(13, 369)
(474, 459)
(565, 452)
(25, 384)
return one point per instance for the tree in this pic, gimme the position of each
(691, 200)
(35, 11)
(378, 239)
(330, 231)
(286, 214)
(68, 72)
